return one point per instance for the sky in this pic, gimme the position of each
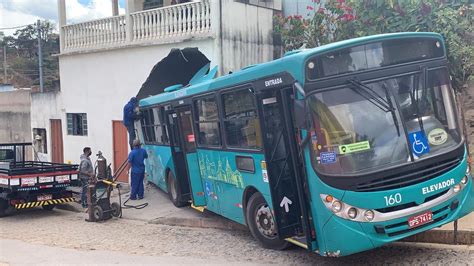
(20, 12)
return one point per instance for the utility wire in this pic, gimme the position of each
(16, 27)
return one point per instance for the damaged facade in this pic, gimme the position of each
(104, 62)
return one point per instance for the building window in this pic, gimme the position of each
(207, 122)
(150, 4)
(39, 140)
(77, 124)
(241, 125)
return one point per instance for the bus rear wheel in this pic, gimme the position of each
(262, 224)
(174, 191)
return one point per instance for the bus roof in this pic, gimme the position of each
(292, 62)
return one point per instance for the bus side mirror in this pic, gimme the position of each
(300, 114)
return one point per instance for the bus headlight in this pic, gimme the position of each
(336, 206)
(369, 215)
(457, 188)
(347, 211)
(464, 180)
(352, 213)
(468, 170)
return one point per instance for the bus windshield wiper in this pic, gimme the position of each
(415, 98)
(371, 96)
(376, 99)
(392, 109)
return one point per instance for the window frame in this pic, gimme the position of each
(221, 94)
(84, 124)
(157, 121)
(196, 120)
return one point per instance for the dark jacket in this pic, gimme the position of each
(128, 113)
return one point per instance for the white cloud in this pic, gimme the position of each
(20, 12)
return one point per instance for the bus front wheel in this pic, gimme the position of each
(262, 224)
(174, 191)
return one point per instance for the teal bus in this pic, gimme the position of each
(337, 149)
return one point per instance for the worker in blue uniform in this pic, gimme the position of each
(136, 160)
(129, 117)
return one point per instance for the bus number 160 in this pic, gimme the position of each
(393, 199)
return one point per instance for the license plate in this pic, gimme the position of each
(28, 181)
(44, 197)
(62, 179)
(45, 179)
(420, 219)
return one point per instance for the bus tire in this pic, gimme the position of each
(261, 224)
(49, 207)
(174, 191)
(3, 207)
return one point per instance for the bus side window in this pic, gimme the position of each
(240, 120)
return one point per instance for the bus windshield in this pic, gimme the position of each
(351, 134)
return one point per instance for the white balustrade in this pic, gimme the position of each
(95, 33)
(176, 20)
(180, 20)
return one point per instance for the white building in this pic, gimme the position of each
(104, 62)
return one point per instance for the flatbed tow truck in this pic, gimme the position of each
(28, 184)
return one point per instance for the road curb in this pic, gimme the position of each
(443, 237)
(214, 223)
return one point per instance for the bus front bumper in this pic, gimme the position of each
(344, 237)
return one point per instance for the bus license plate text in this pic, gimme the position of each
(420, 219)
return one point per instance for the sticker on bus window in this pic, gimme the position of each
(327, 157)
(191, 138)
(437, 136)
(354, 147)
(264, 171)
(418, 143)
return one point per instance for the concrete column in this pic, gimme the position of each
(62, 22)
(216, 28)
(115, 8)
(129, 8)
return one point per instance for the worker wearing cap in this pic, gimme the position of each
(129, 119)
(136, 160)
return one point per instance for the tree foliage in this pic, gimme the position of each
(22, 56)
(336, 20)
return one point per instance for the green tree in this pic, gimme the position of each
(22, 55)
(337, 20)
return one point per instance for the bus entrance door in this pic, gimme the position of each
(187, 159)
(283, 165)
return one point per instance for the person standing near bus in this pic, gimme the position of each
(129, 119)
(86, 171)
(136, 160)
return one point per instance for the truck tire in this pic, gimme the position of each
(3, 207)
(48, 207)
(174, 191)
(262, 225)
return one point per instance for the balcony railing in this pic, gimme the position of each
(189, 19)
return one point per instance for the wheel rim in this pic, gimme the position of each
(96, 214)
(265, 222)
(173, 189)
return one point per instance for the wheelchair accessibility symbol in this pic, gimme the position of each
(418, 143)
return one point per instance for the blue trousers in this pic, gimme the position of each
(131, 134)
(137, 185)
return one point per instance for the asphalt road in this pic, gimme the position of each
(63, 237)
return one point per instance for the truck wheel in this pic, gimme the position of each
(49, 207)
(98, 213)
(174, 191)
(3, 207)
(116, 210)
(261, 223)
